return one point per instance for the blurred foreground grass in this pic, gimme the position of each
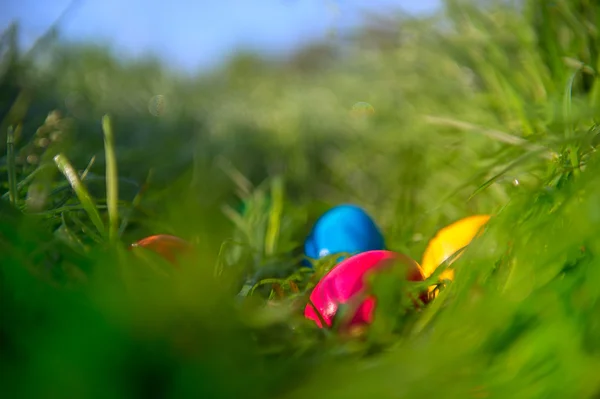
(485, 109)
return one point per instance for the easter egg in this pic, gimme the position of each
(168, 246)
(348, 279)
(450, 240)
(344, 228)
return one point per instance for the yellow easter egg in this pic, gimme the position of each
(450, 240)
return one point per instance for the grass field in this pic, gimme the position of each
(487, 108)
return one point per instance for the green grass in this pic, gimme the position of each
(481, 109)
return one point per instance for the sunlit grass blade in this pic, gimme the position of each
(274, 216)
(87, 168)
(493, 134)
(81, 191)
(220, 261)
(12, 169)
(236, 219)
(510, 166)
(570, 128)
(112, 179)
(244, 185)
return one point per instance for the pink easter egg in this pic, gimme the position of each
(348, 279)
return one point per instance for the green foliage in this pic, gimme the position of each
(488, 108)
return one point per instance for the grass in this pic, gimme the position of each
(482, 109)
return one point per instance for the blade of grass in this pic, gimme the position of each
(135, 203)
(227, 244)
(437, 304)
(236, 176)
(23, 100)
(274, 216)
(81, 191)
(87, 230)
(29, 178)
(90, 177)
(17, 111)
(12, 171)
(112, 180)
(491, 133)
(76, 207)
(489, 182)
(234, 217)
(218, 271)
(87, 168)
(68, 236)
(83, 176)
(151, 260)
(570, 129)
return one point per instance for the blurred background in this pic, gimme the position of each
(270, 88)
(197, 36)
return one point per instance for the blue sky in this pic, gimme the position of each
(198, 33)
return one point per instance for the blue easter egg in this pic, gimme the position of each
(344, 228)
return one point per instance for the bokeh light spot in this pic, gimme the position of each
(157, 105)
(362, 109)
